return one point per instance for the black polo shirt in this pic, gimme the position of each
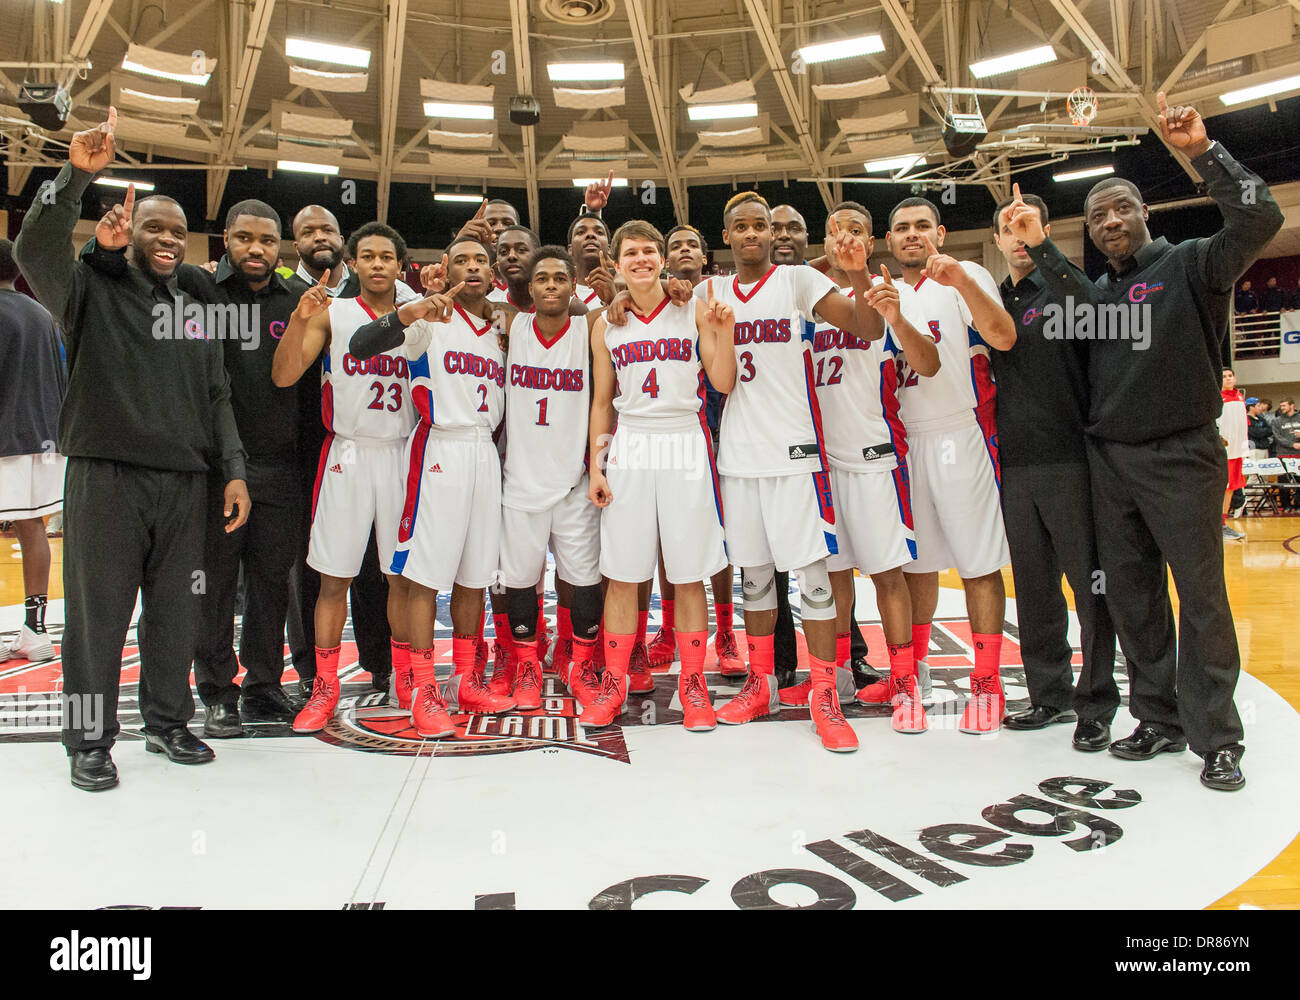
(146, 386)
(1042, 384)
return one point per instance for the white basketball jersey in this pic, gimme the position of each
(771, 425)
(858, 388)
(363, 399)
(460, 381)
(589, 297)
(548, 404)
(499, 293)
(964, 380)
(657, 363)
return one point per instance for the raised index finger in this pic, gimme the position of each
(929, 244)
(481, 209)
(112, 119)
(884, 273)
(1161, 104)
(609, 181)
(453, 292)
(129, 202)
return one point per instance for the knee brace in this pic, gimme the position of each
(585, 611)
(522, 602)
(816, 601)
(758, 587)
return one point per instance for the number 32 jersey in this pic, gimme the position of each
(459, 382)
(771, 424)
(368, 399)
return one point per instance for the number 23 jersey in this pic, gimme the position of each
(368, 399)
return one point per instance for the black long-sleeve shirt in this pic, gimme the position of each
(1042, 384)
(1172, 385)
(32, 379)
(145, 385)
(266, 415)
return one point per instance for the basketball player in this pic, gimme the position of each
(857, 389)
(493, 217)
(515, 247)
(660, 474)
(544, 483)
(687, 254)
(589, 247)
(775, 476)
(952, 454)
(366, 408)
(451, 519)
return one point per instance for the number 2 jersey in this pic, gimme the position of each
(371, 399)
(548, 402)
(771, 424)
(962, 392)
(859, 388)
(459, 382)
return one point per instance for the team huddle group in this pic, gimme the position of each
(608, 401)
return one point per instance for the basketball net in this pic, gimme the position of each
(1082, 105)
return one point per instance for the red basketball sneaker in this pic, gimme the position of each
(795, 695)
(560, 658)
(729, 662)
(984, 707)
(467, 692)
(608, 705)
(403, 682)
(697, 710)
(528, 685)
(429, 713)
(583, 682)
(876, 695)
(756, 699)
(834, 730)
(663, 647)
(503, 669)
(639, 678)
(909, 713)
(318, 711)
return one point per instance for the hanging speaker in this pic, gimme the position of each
(963, 132)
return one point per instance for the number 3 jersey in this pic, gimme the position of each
(459, 382)
(771, 424)
(368, 399)
(859, 388)
(548, 401)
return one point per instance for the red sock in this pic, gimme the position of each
(463, 650)
(920, 643)
(691, 647)
(901, 663)
(725, 614)
(821, 672)
(563, 623)
(541, 616)
(401, 654)
(583, 651)
(988, 654)
(642, 617)
(501, 626)
(667, 604)
(526, 650)
(618, 651)
(843, 646)
(422, 663)
(762, 659)
(327, 663)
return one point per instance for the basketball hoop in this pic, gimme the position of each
(1082, 105)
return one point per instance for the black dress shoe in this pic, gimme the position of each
(305, 684)
(221, 722)
(180, 745)
(93, 770)
(863, 675)
(785, 677)
(266, 703)
(1091, 736)
(1222, 770)
(1038, 717)
(1145, 743)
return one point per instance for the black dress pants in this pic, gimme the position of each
(127, 530)
(1158, 503)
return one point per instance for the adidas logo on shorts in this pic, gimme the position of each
(336, 468)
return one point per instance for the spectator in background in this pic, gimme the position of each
(1286, 429)
(1232, 432)
(1272, 299)
(1258, 429)
(1245, 301)
(31, 471)
(1294, 301)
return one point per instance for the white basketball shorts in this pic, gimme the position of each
(31, 486)
(571, 526)
(873, 520)
(785, 520)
